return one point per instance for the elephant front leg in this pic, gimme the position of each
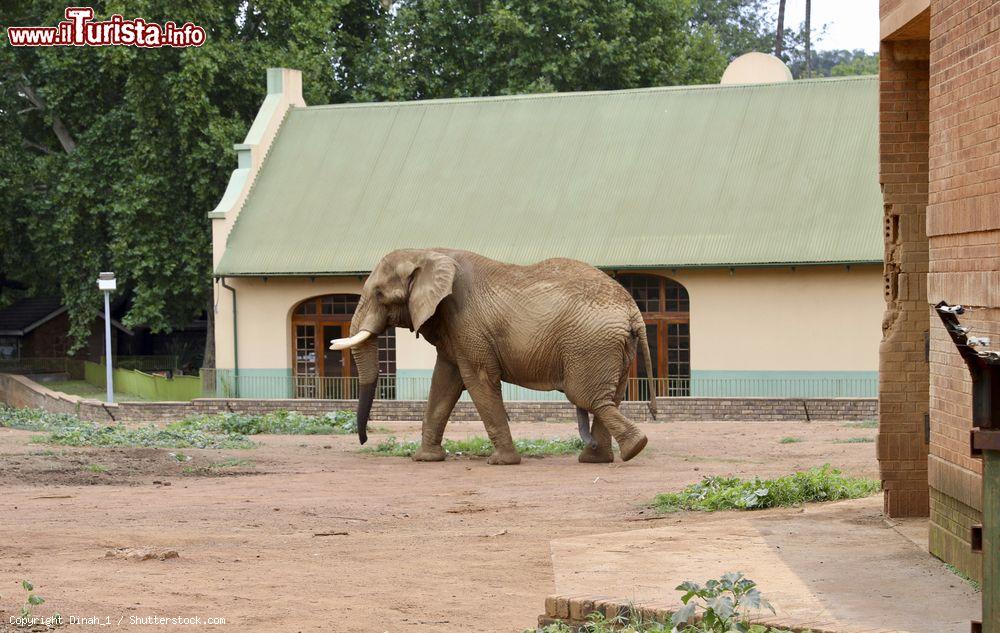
(485, 393)
(446, 388)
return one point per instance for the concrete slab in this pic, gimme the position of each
(837, 567)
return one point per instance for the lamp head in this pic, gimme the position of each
(106, 282)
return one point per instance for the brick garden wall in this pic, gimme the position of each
(903, 379)
(22, 392)
(963, 228)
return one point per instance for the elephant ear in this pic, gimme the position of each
(431, 281)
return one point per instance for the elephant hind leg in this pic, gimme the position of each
(599, 451)
(631, 440)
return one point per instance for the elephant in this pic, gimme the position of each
(559, 324)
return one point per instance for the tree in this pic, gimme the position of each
(112, 157)
(451, 48)
(779, 37)
(740, 26)
(808, 32)
(834, 63)
(862, 64)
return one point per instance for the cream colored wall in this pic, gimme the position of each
(815, 318)
(754, 319)
(264, 321)
(264, 317)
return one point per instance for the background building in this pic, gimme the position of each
(744, 219)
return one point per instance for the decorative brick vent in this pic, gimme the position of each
(19, 391)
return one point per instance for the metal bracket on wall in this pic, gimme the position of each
(984, 441)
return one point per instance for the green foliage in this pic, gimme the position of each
(866, 424)
(218, 466)
(855, 440)
(456, 48)
(790, 440)
(481, 447)
(93, 434)
(69, 430)
(739, 26)
(34, 419)
(277, 423)
(860, 65)
(733, 493)
(31, 599)
(97, 468)
(116, 163)
(724, 605)
(977, 587)
(834, 63)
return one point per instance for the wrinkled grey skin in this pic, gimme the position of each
(559, 324)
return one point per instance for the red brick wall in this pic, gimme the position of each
(963, 228)
(903, 377)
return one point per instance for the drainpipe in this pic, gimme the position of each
(236, 340)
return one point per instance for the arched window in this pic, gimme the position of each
(665, 309)
(320, 372)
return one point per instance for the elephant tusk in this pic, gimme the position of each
(347, 343)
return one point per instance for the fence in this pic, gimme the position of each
(44, 365)
(145, 386)
(224, 383)
(143, 363)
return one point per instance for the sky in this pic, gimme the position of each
(850, 24)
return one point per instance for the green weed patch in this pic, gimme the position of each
(733, 493)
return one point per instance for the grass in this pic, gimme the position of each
(479, 446)
(958, 572)
(84, 389)
(790, 440)
(223, 430)
(234, 462)
(92, 434)
(276, 422)
(855, 440)
(68, 430)
(733, 493)
(865, 424)
(97, 468)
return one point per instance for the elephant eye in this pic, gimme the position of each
(379, 296)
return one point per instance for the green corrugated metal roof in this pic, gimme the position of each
(691, 176)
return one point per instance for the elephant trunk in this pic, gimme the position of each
(364, 349)
(366, 358)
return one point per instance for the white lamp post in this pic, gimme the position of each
(106, 283)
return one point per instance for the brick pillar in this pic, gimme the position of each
(963, 227)
(903, 376)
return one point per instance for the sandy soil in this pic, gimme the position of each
(307, 534)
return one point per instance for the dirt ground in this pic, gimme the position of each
(307, 534)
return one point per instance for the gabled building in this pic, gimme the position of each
(746, 220)
(38, 327)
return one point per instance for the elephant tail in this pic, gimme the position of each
(648, 360)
